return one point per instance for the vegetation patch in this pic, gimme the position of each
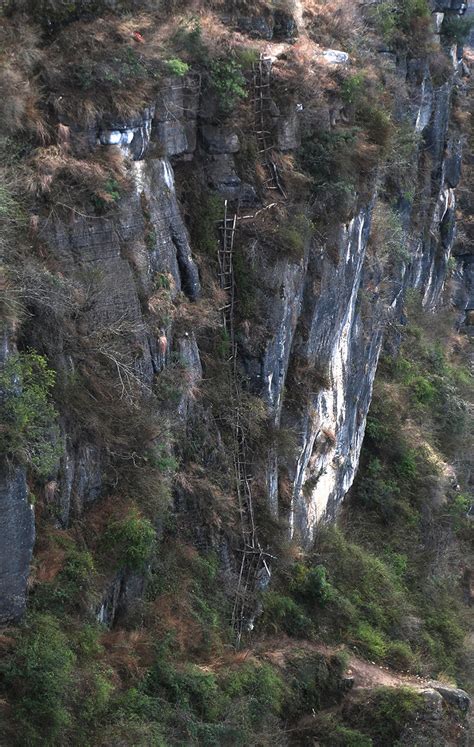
(131, 541)
(30, 431)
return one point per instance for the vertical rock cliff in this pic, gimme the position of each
(314, 147)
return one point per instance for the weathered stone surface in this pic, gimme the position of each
(218, 140)
(452, 163)
(175, 114)
(223, 175)
(454, 696)
(438, 19)
(288, 131)
(172, 137)
(446, 5)
(17, 535)
(17, 525)
(259, 26)
(122, 599)
(188, 353)
(81, 480)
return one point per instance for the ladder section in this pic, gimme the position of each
(262, 100)
(226, 271)
(252, 562)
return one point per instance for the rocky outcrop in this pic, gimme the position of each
(17, 530)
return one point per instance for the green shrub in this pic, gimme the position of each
(131, 541)
(95, 700)
(246, 285)
(108, 196)
(281, 613)
(458, 508)
(422, 390)
(188, 37)
(72, 589)
(290, 239)
(260, 684)
(388, 236)
(39, 680)
(29, 429)
(399, 655)
(228, 82)
(377, 124)
(402, 23)
(371, 641)
(176, 67)
(314, 682)
(328, 158)
(456, 28)
(310, 584)
(384, 713)
(206, 212)
(332, 733)
(352, 88)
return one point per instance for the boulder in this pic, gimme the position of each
(336, 57)
(454, 696)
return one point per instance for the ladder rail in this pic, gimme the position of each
(252, 554)
(261, 84)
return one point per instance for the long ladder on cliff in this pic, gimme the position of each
(252, 560)
(262, 101)
(226, 273)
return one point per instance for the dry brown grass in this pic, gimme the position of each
(333, 22)
(50, 555)
(129, 653)
(100, 68)
(54, 171)
(20, 98)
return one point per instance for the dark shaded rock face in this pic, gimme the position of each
(17, 532)
(17, 528)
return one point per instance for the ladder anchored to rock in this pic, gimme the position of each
(262, 99)
(253, 564)
(226, 271)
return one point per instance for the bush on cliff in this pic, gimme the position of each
(39, 679)
(130, 541)
(384, 713)
(29, 430)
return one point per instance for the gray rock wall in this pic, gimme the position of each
(17, 527)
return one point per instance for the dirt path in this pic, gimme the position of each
(366, 674)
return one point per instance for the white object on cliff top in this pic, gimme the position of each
(336, 57)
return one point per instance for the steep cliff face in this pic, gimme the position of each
(117, 262)
(226, 212)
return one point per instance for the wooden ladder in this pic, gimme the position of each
(262, 99)
(226, 272)
(252, 556)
